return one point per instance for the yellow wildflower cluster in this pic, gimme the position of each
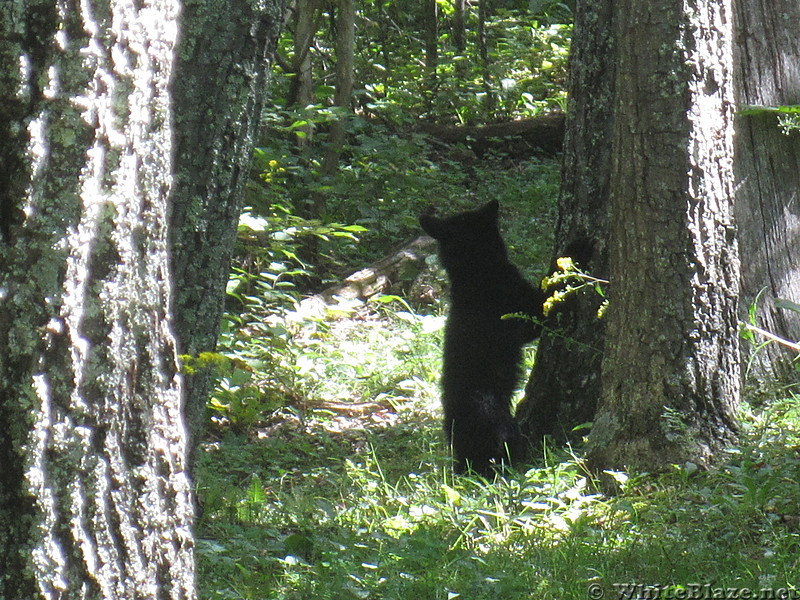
(273, 171)
(566, 264)
(571, 279)
(552, 300)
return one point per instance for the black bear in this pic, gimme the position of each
(482, 350)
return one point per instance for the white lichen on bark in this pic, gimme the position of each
(715, 276)
(107, 453)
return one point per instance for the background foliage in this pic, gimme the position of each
(324, 474)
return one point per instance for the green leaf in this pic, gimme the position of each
(787, 304)
(754, 109)
(255, 492)
(452, 495)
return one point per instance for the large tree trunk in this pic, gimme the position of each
(671, 364)
(565, 383)
(95, 500)
(767, 58)
(219, 87)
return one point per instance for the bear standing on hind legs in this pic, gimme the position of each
(482, 351)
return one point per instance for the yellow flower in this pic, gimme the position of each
(565, 263)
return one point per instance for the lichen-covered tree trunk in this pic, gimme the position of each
(671, 364)
(95, 501)
(219, 86)
(767, 165)
(564, 386)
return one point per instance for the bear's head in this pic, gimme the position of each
(468, 237)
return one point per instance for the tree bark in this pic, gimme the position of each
(460, 27)
(301, 92)
(219, 87)
(460, 39)
(95, 501)
(345, 56)
(431, 43)
(484, 13)
(565, 384)
(671, 365)
(767, 58)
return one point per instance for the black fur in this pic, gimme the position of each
(482, 351)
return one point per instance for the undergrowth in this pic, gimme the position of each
(314, 509)
(330, 480)
(325, 475)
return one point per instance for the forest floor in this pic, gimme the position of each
(357, 500)
(341, 488)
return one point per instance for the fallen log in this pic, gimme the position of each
(520, 138)
(402, 266)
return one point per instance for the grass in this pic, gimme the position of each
(373, 512)
(325, 475)
(317, 502)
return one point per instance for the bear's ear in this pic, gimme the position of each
(431, 225)
(490, 210)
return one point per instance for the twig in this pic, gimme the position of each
(794, 346)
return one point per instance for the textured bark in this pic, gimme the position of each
(431, 19)
(460, 27)
(671, 365)
(767, 165)
(485, 9)
(564, 386)
(218, 88)
(95, 501)
(460, 38)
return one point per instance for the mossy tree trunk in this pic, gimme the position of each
(95, 501)
(564, 386)
(671, 366)
(219, 86)
(767, 58)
